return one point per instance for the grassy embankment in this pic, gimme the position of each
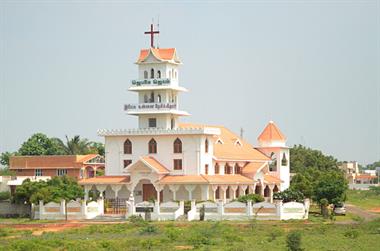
(166, 236)
(367, 200)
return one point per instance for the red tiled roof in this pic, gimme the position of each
(105, 180)
(253, 167)
(49, 161)
(165, 54)
(271, 179)
(228, 149)
(183, 179)
(152, 162)
(271, 133)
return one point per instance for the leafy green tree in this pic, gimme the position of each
(302, 158)
(97, 147)
(303, 183)
(4, 158)
(373, 165)
(293, 241)
(289, 195)
(40, 144)
(332, 187)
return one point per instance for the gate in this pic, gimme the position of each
(115, 206)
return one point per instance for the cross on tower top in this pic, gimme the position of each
(151, 32)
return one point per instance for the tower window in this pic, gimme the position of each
(152, 145)
(145, 74)
(146, 98)
(152, 73)
(284, 161)
(172, 123)
(273, 162)
(206, 146)
(158, 74)
(206, 169)
(158, 98)
(177, 146)
(151, 100)
(127, 147)
(177, 164)
(152, 122)
(216, 168)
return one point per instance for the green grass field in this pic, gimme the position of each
(364, 199)
(198, 236)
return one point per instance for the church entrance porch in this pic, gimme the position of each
(150, 193)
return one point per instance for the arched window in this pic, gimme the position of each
(284, 161)
(177, 146)
(266, 192)
(237, 169)
(127, 147)
(158, 98)
(152, 146)
(145, 74)
(170, 73)
(227, 169)
(152, 73)
(175, 74)
(172, 123)
(151, 100)
(158, 74)
(206, 146)
(146, 98)
(216, 168)
(273, 162)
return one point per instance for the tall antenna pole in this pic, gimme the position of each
(241, 132)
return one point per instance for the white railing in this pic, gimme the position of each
(142, 107)
(155, 81)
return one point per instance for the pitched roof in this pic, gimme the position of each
(228, 149)
(271, 179)
(152, 162)
(228, 179)
(253, 167)
(49, 161)
(271, 133)
(164, 54)
(105, 180)
(183, 179)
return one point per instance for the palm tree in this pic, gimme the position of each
(75, 145)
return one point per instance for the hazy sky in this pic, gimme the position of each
(311, 66)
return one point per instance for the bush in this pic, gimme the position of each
(375, 190)
(5, 195)
(173, 233)
(277, 232)
(289, 195)
(149, 229)
(251, 197)
(293, 241)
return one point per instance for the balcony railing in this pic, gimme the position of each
(155, 81)
(146, 107)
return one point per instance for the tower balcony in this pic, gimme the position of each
(153, 108)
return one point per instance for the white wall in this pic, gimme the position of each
(193, 156)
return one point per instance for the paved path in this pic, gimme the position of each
(367, 215)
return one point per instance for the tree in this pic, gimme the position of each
(303, 183)
(302, 158)
(289, 195)
(293, 241)
(40, 144)
(4, 158)
(57, 189)
(79, 146)
(330, 188)
(373, 165)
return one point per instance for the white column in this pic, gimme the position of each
(234, 187)
(214, 188)
(243, 188)
(224, 189)
(101, 189)
(190, 189)
(271, 193)
(86, 191)
(174, 189)
(116, 189)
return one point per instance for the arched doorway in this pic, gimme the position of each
(146, 191)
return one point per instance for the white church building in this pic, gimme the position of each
(165, 160)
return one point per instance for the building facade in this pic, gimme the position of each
(165, 160)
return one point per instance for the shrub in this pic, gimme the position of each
(137, 220)
(5, 195)
(173, 233)
(149, 229)
(293, 241)
(375, 190)
(3, 232)
(251, 197)
(289, 195)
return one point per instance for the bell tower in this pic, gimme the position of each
(157, 88)
(273, 144)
